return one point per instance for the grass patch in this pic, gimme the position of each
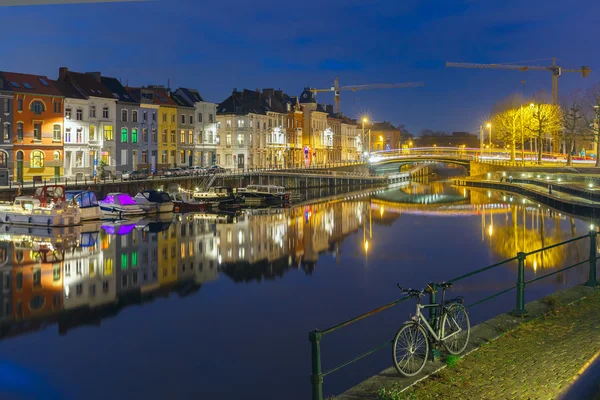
(553, 303)
(389, 394)
(452, 360)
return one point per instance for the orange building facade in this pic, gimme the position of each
(38, 127)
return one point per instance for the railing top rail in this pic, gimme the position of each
(363, 316)
(557, 244)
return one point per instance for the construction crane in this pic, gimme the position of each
(555, 69)
(336, 88)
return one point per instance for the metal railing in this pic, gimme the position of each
(315, 336)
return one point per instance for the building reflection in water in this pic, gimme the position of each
(82, 275)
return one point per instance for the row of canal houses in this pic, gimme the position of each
(86, 124)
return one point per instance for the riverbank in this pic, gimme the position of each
(576, 198)
(536, 356)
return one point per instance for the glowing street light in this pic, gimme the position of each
(489, 126)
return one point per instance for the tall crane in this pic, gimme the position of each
(554, 69)
(336, 88)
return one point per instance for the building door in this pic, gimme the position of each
(240, 161)
(19, 166)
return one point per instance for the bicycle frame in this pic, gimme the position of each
(420, 318)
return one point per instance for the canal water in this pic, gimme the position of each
(219, 306)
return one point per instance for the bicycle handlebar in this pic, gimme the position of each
(429, 289)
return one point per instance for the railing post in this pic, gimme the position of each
(316, 378)
(520, 309)
(432, 300)
(592, 281)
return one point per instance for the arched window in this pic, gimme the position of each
(37, 159)
(19, 155)
(3, 159)
(37, 107)
(56, 155)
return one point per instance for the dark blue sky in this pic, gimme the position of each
(216, 46)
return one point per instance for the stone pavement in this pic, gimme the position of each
(533, 358)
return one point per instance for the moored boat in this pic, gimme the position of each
(184, 202)
(266, 193)
(154, 201)
(226, 197)
(120, 205)
(47, 207)
(87, 202)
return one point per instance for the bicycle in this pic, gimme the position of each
(411, 343)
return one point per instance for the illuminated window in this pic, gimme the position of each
(106, 157)
(182, 156)
(92, 132)
(37, 107)
(134, 138)
(108, 266)
(37, 159)
(6, 131)
(144, 156)
(108, 132)
(79, 135)
(190, 137)
(3, 159)
(123, 261)
(134, 257)
(163, 157)
(182, 137)
(124, 134)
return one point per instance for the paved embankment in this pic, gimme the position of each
(535, 357)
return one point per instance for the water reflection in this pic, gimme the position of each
(77, 276)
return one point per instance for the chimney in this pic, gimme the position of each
(268, 92)
(62, 72)
(95, 75)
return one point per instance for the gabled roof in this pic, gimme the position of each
(162, 98)
(119, 92)
(242, 103)
(181, 101)
(86, 83)
(69, 91)
(27, 83)
(191, 94)
(383, 126)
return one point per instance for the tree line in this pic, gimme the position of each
(575, 121)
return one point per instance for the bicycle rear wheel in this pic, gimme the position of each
(456, 323)
(411, 348)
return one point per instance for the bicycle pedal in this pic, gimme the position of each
(435, 354)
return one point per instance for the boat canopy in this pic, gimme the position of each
(266, 189)
(84, 198)
(120, 198)
(119, 229)
(156, 196)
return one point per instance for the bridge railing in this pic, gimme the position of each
(316, 336)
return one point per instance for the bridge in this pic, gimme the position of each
(464, 156)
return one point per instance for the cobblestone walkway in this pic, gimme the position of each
(535, 361)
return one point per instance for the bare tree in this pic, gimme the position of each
(573, 123)
(543, 120)
(591, 117)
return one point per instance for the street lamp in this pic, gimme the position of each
(364, 121)
(489, 126)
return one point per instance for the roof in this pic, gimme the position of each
(181, 101)
(383, 126)
(192, 94)
(245, 102)
(162, 98)
(119, 92)
(68, 90)
(27, 83)
(307, 97)
(86, 84)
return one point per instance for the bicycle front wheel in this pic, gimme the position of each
(411, 348)
(456, 329)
